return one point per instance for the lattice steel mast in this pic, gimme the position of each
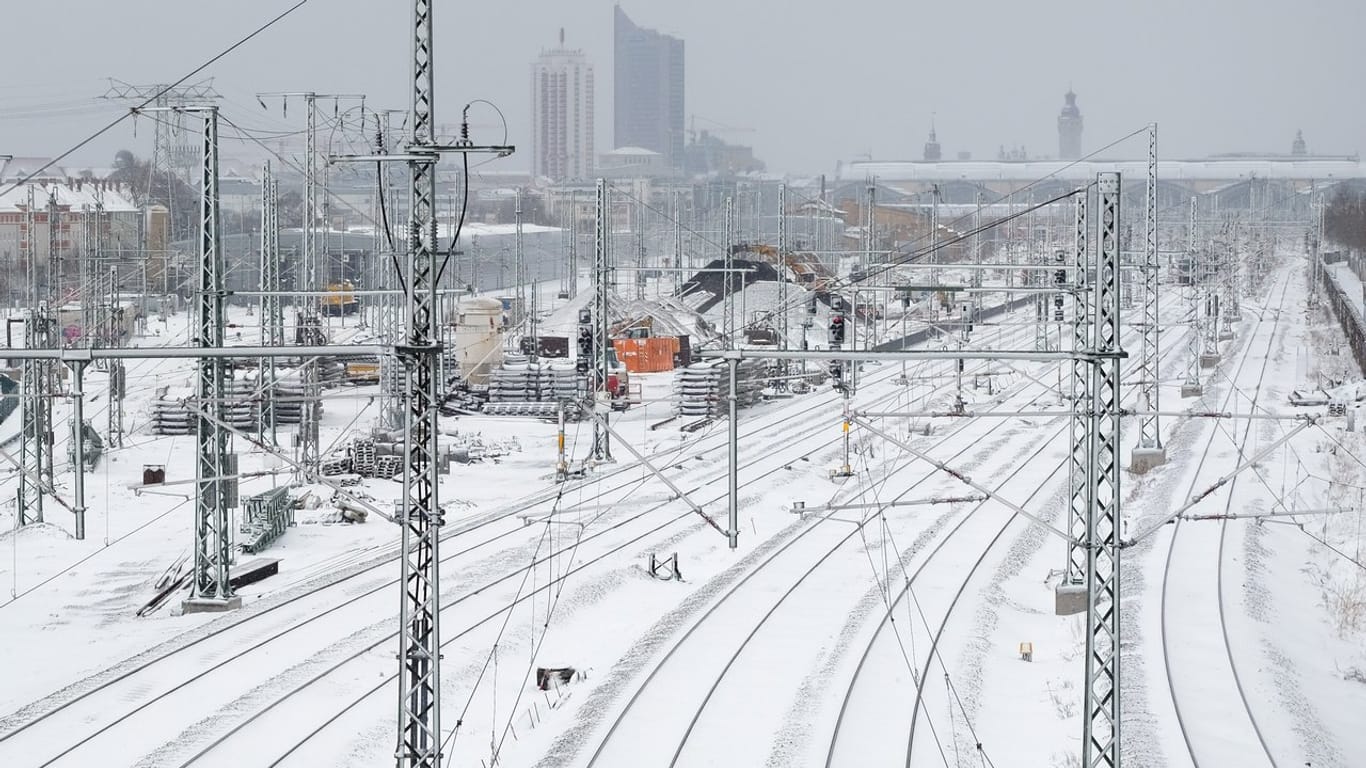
(1149, 452)
(272, 310)
(1191, 387)
(1101, 724)
(784, 366)
(210, 588)
(419, 636)
(29, 495)
(602, 287)
(728, 306)
(1071, 593)
(308, 324)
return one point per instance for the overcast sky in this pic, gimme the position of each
(813, 82)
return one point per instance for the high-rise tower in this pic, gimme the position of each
(648, 89)
(562, 114)
(1069, 129)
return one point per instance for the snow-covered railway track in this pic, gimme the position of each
(718, 724)
(770, 669)
(251, 648)
(298, 705)
(1189, 597)
(867, 714)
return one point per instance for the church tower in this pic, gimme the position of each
(932, 151)
(1069, 129)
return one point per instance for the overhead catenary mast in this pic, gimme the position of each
(1191, 387)
(272, 310)
(308, 328)
(210, 587)
(419, 726)
(1149, 452)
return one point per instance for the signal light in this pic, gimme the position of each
(837, 329)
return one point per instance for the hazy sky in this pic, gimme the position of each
(816, 82)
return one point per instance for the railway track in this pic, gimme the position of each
(725, 720)
(1189, 598)
(125, 698)
(650, 719)
(869, 711)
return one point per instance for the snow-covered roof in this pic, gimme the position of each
(1190, 170)
(72, 196)
(620, 151)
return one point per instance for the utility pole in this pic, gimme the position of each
(784, 366)
(36, 403)
(1101, 698)
(1072, 590)
(210, 589)
(869, 228)
(86, 272)
(419, 723)
(390, 394)
(54, 252)
(678, 242)
(1191, 387)
(1041, 300)
(272, 311)
(573, 286)
(519, 269)
(934, 246)
(419, 715)
(309, 324)
(976, 245)
(638, 227)
(1149, 452)
(117, 373)
(728, 308)
(602, 287)
(36, 417)
(529, 296)
(78, 441)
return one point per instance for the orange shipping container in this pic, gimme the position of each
(650, 355)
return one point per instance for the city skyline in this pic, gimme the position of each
(882, 100)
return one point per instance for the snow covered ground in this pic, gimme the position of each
(874, 635)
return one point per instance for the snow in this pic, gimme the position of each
(1308, 169)
(808, 641)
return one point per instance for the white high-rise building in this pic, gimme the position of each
(562, 115)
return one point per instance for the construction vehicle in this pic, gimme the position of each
(361, 370)
(339, 299)
(618, 383)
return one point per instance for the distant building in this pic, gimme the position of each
(648, 90)
(1069, 129)
(62, 224)
(708, 155)
(932, 150)
(1298, 148)
(562, 114)
(633, 163)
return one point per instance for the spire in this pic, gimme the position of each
(932, 151)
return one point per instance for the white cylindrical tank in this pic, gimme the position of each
(479, 338)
